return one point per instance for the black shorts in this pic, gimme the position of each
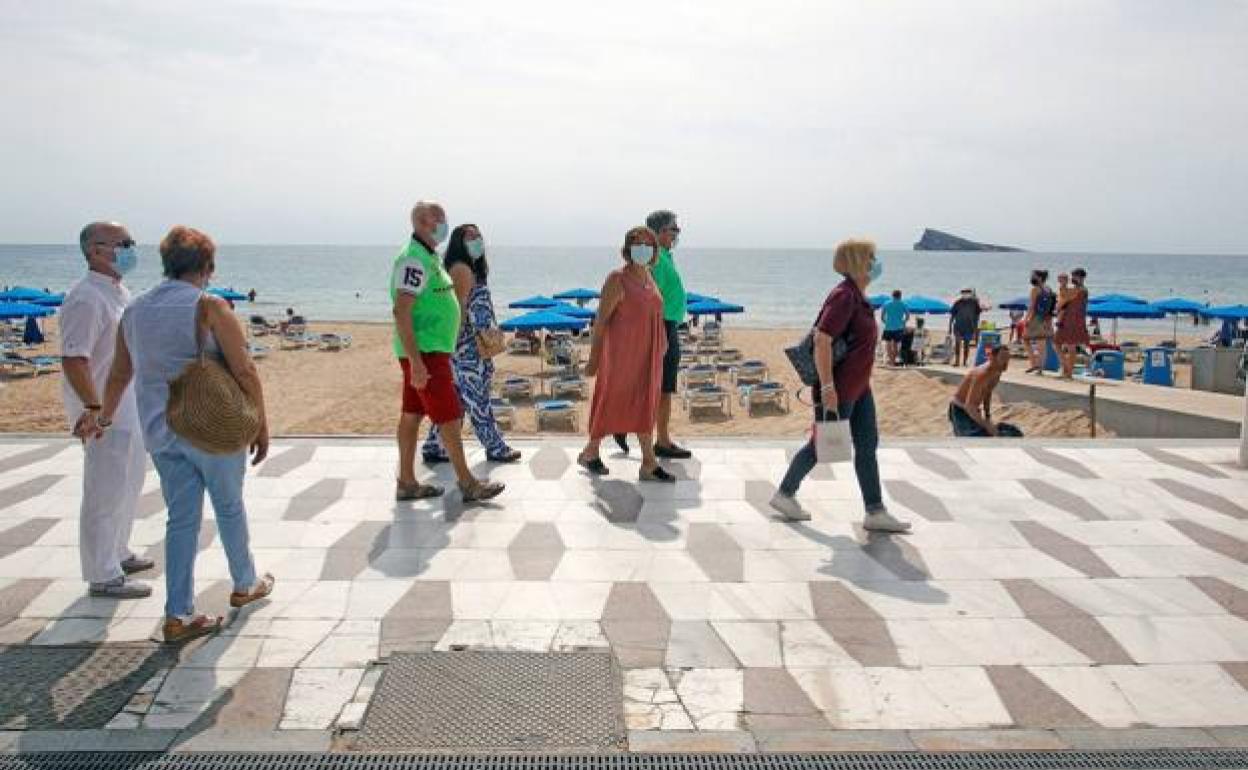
(671, 359)
(893, 335)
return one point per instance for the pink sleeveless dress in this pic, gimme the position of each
(630, 370)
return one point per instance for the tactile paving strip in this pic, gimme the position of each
(1160, 759)
(72, 688)
(497, 701)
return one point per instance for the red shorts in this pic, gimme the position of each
(439, 399)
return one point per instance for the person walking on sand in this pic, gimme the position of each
(970, 409)
(964, 325)
(627, 358)
(675, 308)
(162, 332)
(895, 314)
(843, 387)
(1072, 322)
(426, 323)
(114, 466)
(1038, 322)
(466, 263)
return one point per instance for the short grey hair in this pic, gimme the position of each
(660, 219)
(86, 234)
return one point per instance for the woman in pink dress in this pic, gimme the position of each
(1072, 323)
(627, 358)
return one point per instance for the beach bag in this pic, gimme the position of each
(802, 356)
(490, 342)
(1008, 430)
(1046, 303)
(833, 442)
(208, 408)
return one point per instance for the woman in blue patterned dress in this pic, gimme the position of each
(465, 261)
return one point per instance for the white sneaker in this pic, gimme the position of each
(883, 521)
(789, 507)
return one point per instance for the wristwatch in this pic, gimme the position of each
(103, 422)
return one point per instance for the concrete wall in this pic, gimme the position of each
(1125, 419)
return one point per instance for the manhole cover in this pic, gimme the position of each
(497, 701)
(71, 688)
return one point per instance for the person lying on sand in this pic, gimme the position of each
(970, 410)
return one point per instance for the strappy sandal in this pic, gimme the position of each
(178, 631)
(658, 474)
(480, 491)
(257, 592)
(595, 466)
(510, 456)
(405, 492)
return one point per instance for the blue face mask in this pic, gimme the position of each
(877, 269)
(475, 247)
(439, 232)
(641, 253)
(124, 259)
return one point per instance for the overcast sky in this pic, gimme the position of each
(1093, 125)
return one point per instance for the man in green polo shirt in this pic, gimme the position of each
(426, 326)
(667, 278)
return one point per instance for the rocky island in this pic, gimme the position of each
(935, 240)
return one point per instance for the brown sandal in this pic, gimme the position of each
(257, 592)
(404, 492)
(177, 631)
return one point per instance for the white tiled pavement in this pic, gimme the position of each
(1084, 586)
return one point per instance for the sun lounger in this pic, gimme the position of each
(33, 365)
(258, 351)
(708, 397)
(573, 385)
(699, 376)
(334, 342)
(764, 393)
(516, 387)
(728, 357)
(504, 412)
(749, 372)
(259, 326)
(519, 346)
(689, 357)
(707, 346)
(557, 413)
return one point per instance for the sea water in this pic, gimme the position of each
(777, 287)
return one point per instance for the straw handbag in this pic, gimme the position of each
(490, 341)
(208, 408)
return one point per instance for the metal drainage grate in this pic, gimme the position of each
(497, 701)
(1212, 759)
(73, 687)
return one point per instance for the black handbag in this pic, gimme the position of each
(802, 356)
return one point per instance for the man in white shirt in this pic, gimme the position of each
(115, 463)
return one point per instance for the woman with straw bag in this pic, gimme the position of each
(202, 410)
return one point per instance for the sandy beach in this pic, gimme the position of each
(356, 391)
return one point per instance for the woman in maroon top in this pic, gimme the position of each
(844, 388)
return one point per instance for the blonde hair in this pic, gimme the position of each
(853, 256)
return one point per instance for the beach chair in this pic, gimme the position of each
(259, 326)
(516, 387)
(557, 412)
(941, 352)
(32, 365)
(750, 372)
(334, 342)
(764, 393)
(700, 375)
(708, 397)
(519, 346)
(572, 385)
(258, 352)
(728, 357)
(707, 346)
(504, 413)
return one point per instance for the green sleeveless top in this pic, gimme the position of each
(435, 312)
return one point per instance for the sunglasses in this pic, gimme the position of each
(126, 244)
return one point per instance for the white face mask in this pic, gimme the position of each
(439, 232)
(641, 253)
(475, 247)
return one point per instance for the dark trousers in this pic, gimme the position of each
(866, 437)
(963, 424)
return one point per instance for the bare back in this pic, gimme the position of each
(977, 387)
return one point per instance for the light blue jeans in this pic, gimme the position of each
(185, 473)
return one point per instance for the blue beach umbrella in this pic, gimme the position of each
(23, 310)
(543, 319)
(1129, 299)
(571, 311)
(1018, 303)
(22, 294)
(922, 305)
(228, 294)
(1227, 312)
(1122, 309)
(537, 302)
(1177, 306)
(694, 298)
(578, 295)
(878, 301)
(51, 300)
(714, 307)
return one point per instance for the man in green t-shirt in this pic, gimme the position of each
(426, 326)
(667, 278)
